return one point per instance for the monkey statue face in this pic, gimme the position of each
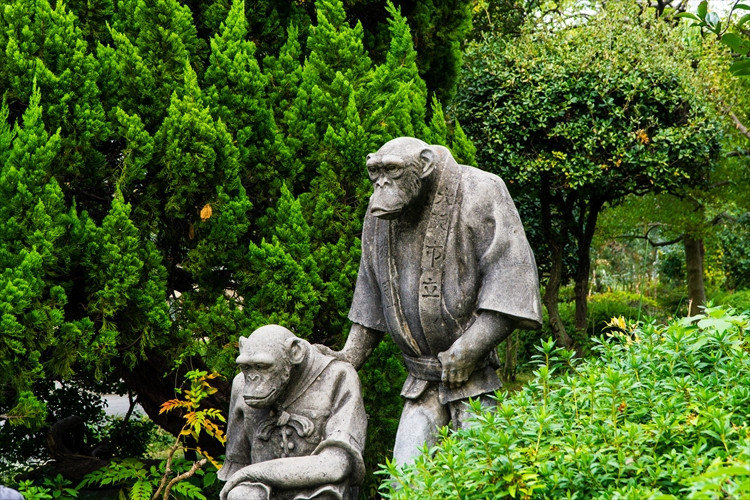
(266, 360)
(397, 172)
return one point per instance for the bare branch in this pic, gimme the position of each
(197, 465)
(168, 467)
(717, 184)
(719, 217)
(650, 241)
(739, 125)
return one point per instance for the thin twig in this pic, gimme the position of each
(650, 241)
(739, 125)
(196, 465)
(168, 468)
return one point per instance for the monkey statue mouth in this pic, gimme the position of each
(261, 402)
(384, 213)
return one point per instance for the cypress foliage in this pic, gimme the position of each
(46, 46)
(198, 186)
(397, 92)
(283, 273)
(197, 189)
(125, 282)
(32, 255)
(236, 93)
(153, 41)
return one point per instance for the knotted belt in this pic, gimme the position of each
(429, 368)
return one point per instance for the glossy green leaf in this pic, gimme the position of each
(702, 9)
(733, 41)
(740, 67)
(687, 15)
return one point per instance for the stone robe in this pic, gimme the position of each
(485, 264)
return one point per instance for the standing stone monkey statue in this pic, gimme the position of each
(446, 269)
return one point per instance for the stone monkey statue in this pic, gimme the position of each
(297, 423)
(446, 269)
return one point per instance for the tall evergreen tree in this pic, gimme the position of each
(46, 45)
(203, 181)
(236, 94)
(33, 256)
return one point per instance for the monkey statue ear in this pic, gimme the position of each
(296, 349)
(427, 160)
(242, 342)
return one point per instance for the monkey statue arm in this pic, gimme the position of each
(459, 360)
(359, 345)
(332, 465)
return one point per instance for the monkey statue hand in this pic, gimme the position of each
(241, 486)
(458, 363)
(459, 360)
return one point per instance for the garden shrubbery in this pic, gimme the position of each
(601, 308)
(739, 300)
(659, 412)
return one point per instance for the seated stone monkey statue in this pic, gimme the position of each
(297, 423)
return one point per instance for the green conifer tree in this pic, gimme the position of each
(93, 17)
(153, 41)
(284, 73)
(236, 94)
(33, 255)
(453, 137)
(336, 67)
(196, 191)
(126, 284)
(282, 273)
(397, 93)
(47, 46)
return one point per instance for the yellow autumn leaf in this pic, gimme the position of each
(206, 212)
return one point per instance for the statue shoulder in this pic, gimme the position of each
(480, 187)
(344, 368)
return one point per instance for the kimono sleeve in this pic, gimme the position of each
(346, 427)
(508, 274)
(367, 303)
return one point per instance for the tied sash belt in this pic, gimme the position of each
(429, 368)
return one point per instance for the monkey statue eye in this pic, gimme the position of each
(393, 170)
(373, 173)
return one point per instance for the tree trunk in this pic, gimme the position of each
(556, 243)
(154, 381)
(583, 266)
(508, 372)
(694, 252)
(581, 288)
(551, 297)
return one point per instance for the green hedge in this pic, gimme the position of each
(660, 412)
(738, 300)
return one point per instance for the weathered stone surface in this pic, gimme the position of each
(9, 494)
(446, 270)
(297, 422)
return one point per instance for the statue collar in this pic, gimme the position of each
(431, 310)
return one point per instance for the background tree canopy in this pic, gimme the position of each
(176, 174)
(577, 117)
